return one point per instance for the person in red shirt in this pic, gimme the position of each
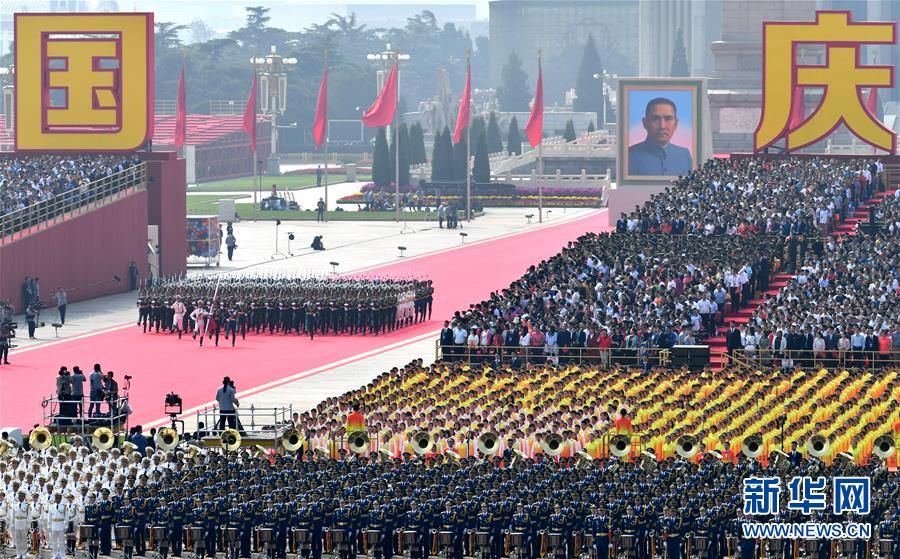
(623, 424)
(355, 420)
(604, 342)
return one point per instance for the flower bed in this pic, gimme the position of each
(501, 201)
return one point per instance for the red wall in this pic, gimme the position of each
(80, 254)
(167, 208)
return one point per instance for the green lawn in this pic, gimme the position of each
(285, 182)
(207, 204)
(246, 212)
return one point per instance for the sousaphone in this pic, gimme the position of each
(358, 442)
(102, 438)
(40, 438)
(230, 439)
(552, 445)
(488, 443)
(687, 446)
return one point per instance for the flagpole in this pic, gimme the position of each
(469, 147)
(540, 161)
(325, 59)
(257, 181)
(397, 151)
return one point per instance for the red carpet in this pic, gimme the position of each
(161, 363)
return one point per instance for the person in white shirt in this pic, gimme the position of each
(178, 318)
(199, 315)
(21, 522)
(57, 527)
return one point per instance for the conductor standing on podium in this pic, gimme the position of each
(227, 399)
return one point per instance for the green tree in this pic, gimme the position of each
(416, 144)
(513, 91)
(569, 135)
(479, 128)
(440, 162)
(167, 36)
(679, 57)
(514, 138)
(590, 91)
(381, 160)
(459, 159)
(481, 170)
(404, 156)
(591, 127)
(403, 140)
(494, 140)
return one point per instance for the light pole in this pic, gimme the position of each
(273, 85)
(602, 77)
(7, 76)
(388, 57)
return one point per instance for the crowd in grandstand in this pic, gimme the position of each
(707, 246)
(27, 180)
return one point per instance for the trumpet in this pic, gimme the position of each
(166, 438)
(885, 447)
(818, 446)
(552, 445)
(40, 438)
(102, 438)
(487, 443)
(230, 439)
(686, 446)
(291, 440)
(620, 445)
(358, 442)
(421, 442)
(752, 446)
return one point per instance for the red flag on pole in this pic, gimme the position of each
(180, 113)
(381, 113)
(796, 108)
(535, 127)
(465, 107)
(320, 123)
(872, 102)
(249, 125)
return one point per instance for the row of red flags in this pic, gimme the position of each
(381, 113)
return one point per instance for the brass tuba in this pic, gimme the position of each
(358, 442)
(620, 445)
(421, 442)
(292, 440)
(40, 438)
(884, 447)
(752, 446)
(128, 447)
(4, 447)
(166, 438)
(687, 446)
(818, 446)
(552, 445)
(230, 439)
(488, 443)
(102, 438)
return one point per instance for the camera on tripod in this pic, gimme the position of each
(173, 404)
